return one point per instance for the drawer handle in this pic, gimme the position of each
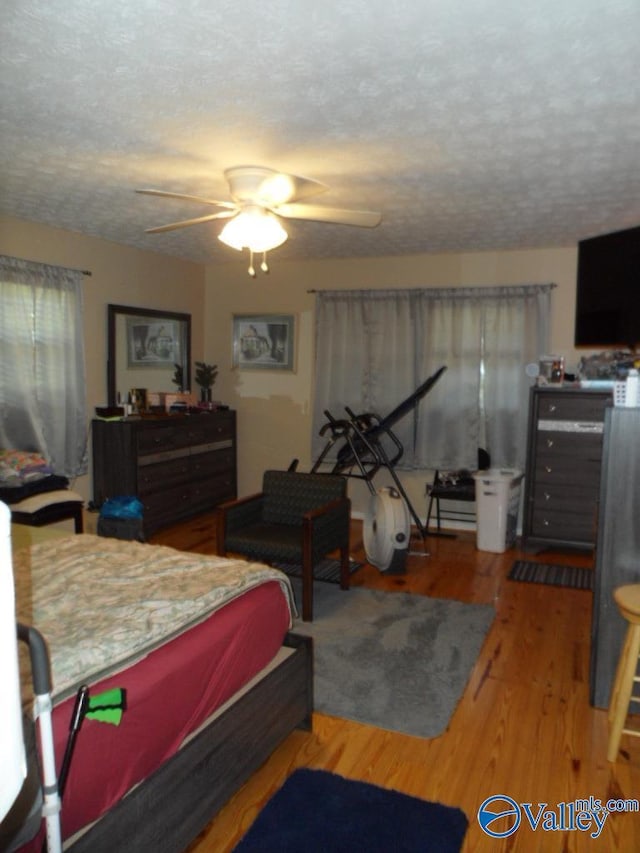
(548, 469)
(547, 496)
(549, 442)
(552, 407)
(545, 523)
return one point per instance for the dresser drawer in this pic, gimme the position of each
(215, 427)
(163, 475)
(563, 472)
(554, 497)
(577, 447)
(207, 493)
(212, 463)
(166, 507)
(161, 438)
(224, 425)
(578, 526)
(572, 406)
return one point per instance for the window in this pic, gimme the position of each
(42, 377)
(375, 347)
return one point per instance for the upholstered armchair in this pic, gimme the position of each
(297, 518)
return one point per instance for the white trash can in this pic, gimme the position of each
(497, 508)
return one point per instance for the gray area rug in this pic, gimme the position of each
(390, 659)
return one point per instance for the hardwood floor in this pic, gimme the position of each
(524, 727)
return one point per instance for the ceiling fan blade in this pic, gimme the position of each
(283, 189)
(224, 214)
(164, 194)
(259, 185)
(337, 215)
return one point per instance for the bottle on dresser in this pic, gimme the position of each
(632, 395)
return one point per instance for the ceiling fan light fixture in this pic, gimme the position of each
(254, 228)
(260, 198)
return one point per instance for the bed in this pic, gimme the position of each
(214, 680)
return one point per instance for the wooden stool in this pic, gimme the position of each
(49, 507)
(628, 600)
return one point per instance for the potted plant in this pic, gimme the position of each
(178, 377)
(205, 377)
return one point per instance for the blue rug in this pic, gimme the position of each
(320, 812)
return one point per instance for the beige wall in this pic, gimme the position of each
(120, 275)
(274, 409)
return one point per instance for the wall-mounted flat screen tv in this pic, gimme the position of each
(608, 290)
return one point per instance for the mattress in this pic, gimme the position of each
(178, 655)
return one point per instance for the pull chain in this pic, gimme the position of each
(264, 266)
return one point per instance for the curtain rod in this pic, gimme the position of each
(71, 269)
(551, 285)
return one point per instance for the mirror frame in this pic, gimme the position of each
(113, 311)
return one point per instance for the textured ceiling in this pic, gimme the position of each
(484, 124)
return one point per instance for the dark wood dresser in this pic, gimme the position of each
(562, 479)
(178, 466)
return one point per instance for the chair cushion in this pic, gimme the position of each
(38, 502)
(11, 494)
(289, 494)
(268, 542)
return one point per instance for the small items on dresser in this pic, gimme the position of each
(627, 393)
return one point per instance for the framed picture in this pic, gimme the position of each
(263, 341)
(153, 343)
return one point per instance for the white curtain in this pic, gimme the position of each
(374, 348)
(42, 374)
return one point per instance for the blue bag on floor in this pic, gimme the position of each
(121, 518)
(121, 507)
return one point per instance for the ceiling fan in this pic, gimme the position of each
(259, 197)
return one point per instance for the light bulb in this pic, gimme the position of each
(253, 228)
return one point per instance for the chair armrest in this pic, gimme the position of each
(334, 507)
(327, 526)
(236, 514)
(239, 502)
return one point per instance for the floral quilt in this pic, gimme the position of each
(103, 603)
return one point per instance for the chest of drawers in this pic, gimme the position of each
(562, 479)
(178, 466)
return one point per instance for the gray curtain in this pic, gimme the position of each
(42, 372)
(375, 347)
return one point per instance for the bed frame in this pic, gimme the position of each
(173, 806)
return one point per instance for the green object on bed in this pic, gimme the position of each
(108, 707)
